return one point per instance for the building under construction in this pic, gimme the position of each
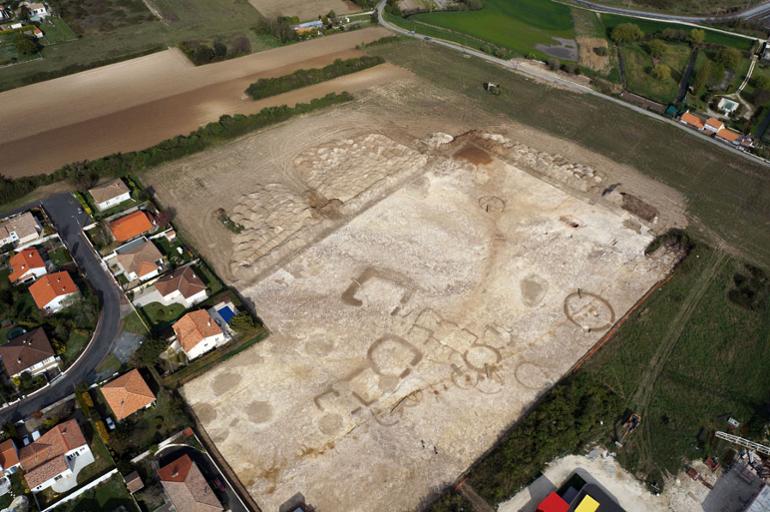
(579, 495)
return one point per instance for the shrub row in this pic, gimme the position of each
(201, 52)
(303, 77)
(120, 164)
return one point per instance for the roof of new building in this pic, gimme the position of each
(9, 455)
(23, 225)
(23, 261)
(109, 190)
(141, 258)
(131, 226)
(553, 503)
(182, 279)
(185, 485)
(127, 394)
(44, 459)
(26, 350)
(714, 123)
(587, 504)
(194, 327)
(51, 286)
(729, 135)
(692, 120)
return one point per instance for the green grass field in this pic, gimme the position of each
(117, 38)
(518, 25)
(638, 64)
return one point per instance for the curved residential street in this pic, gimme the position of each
(68, 218)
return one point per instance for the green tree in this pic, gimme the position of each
(626, 33)
(149, 351)
(730, 58)
(697, 36)
(657, 48)
(701, 79)
(25, 45)
(242, 322)
(661, 72)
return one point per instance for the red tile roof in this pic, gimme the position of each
(186, 486)
(127, 394)
(715, 123)
(692, 120)
(729, 135)
(9, 455)
(194, 327)
(44, 458)
(23, 261)
(51, 286)
(131, 226)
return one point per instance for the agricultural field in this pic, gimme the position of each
(303, 9)
(120, 30)
(525, 27)
(684, 6)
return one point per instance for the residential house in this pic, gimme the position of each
(140, 260)
(55, 459)
(713, 125)
(127, 394)
(31, 352)
(197, 333)
(19, 230)
(182, 286)
(110, 194)
(186, 486)
(729, 136)
(727, 106)
(26, 266)
(131, 226)
(9, 457)
(38, 11)
(54, 292)
(692, 120)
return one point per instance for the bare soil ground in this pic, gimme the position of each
(304, 9)
(589, 58)
(50, 109)
(442, 281)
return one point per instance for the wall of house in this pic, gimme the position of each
(106, 205)
(206, 345)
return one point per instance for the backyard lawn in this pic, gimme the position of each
(162, 316)
(109, 495)
(517, 25)
(57, 31)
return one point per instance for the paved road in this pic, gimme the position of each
(546, 76)
(758, 11)
(65, 213)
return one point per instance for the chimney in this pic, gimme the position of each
(175, 471)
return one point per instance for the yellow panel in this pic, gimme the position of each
(587, 504)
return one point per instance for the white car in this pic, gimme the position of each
(110, 423)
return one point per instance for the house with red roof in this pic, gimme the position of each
(55, 458)
(26, 266)
(186, 486)
(54, 292)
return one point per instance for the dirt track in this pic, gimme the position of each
(304, 9)
(59, 108)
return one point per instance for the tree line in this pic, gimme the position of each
(266, 87)
(120, 164)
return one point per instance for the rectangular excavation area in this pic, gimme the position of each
(406, 338)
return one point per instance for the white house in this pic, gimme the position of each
(31, 352)
(38, 11)
(54, 292)
(55, 459)
(110, 194)
(713, 125)
(197, 333)
(19, 229)
(182, 286)
(26, 265)
(139, 260)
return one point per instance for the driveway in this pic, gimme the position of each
(68, 218)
